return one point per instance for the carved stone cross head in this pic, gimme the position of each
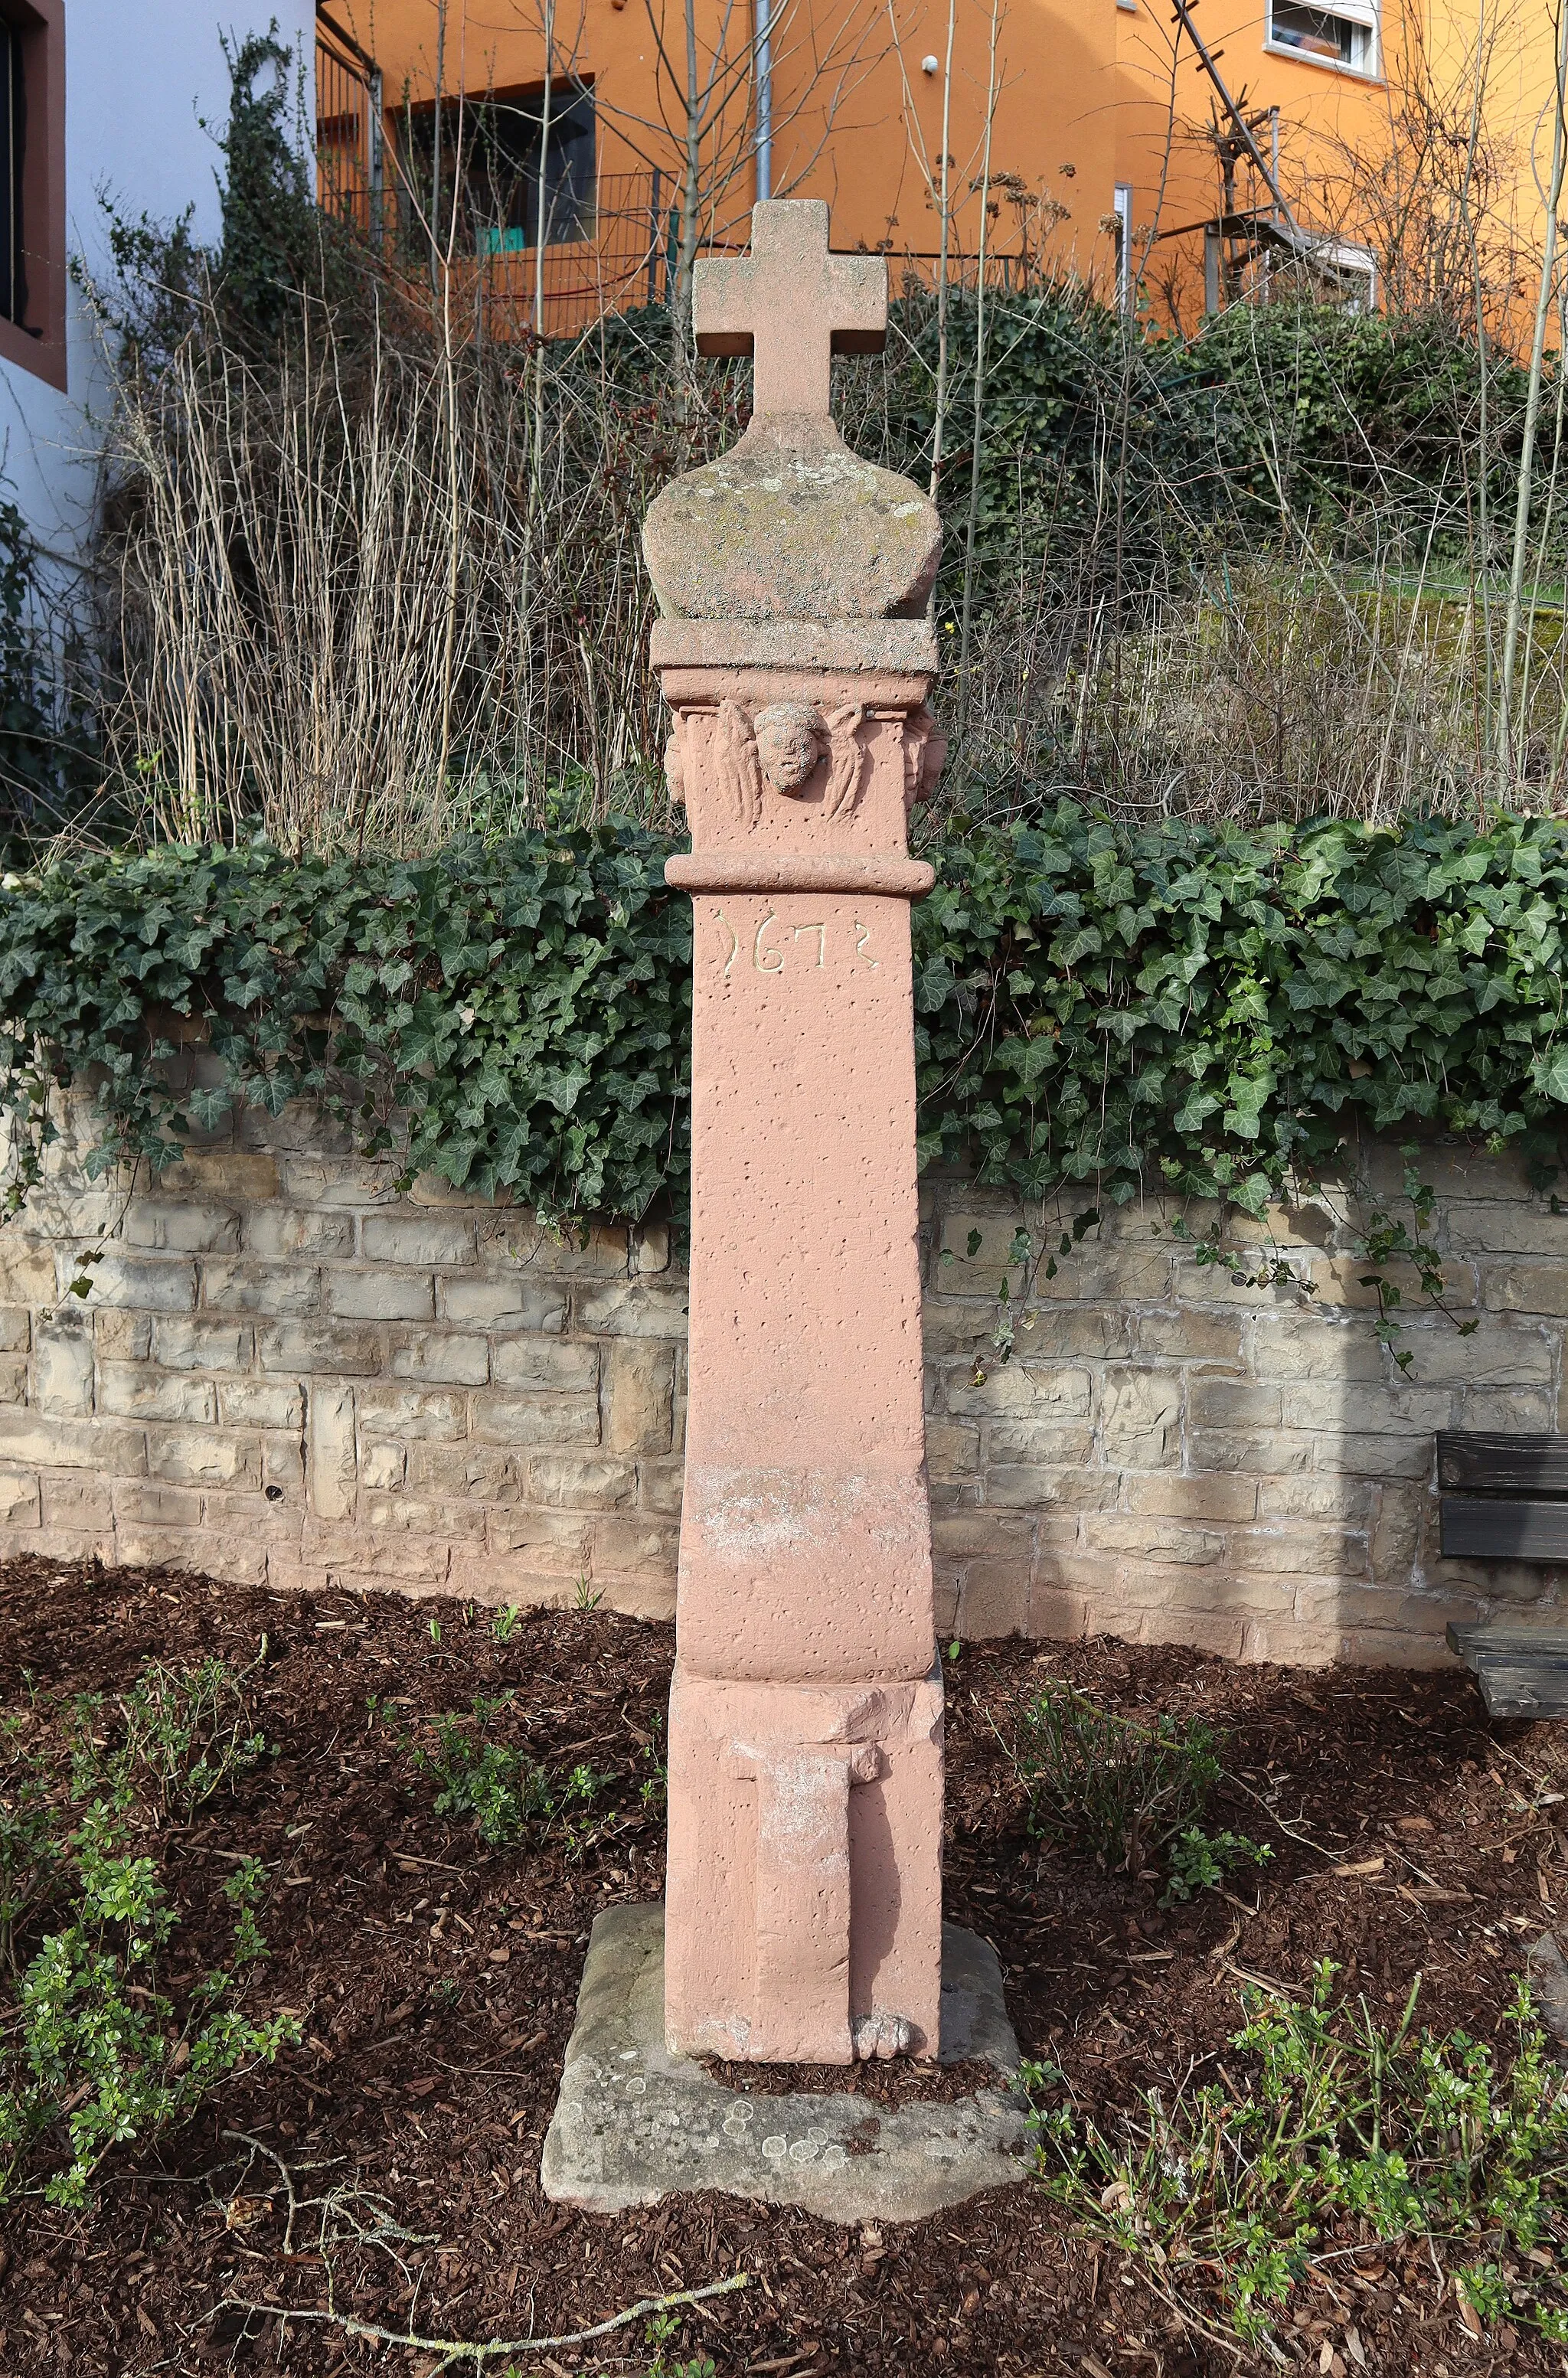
(792, 303)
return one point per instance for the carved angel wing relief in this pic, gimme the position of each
(675, 760)
(846, 759)
(925, 751)
(736, 764)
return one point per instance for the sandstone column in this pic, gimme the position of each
(802, 1911)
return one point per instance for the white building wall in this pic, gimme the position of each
(141, 75)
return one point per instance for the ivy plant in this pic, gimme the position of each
(515, 1018)
(1213, 1013)
(1185, 1011)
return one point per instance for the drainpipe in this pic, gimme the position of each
(764, 143)
(378, 156)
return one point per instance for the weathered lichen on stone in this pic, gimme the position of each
(791, 525)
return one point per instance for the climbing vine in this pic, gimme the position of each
(1193, 1012)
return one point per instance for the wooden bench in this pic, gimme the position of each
(1506, 1498)
(1503, 1497)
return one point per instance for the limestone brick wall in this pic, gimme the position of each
(1177, 1454)
(285, 1370)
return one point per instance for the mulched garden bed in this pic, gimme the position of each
(436, 1981)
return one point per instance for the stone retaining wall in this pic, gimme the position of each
(285, 1371)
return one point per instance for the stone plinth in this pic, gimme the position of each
(635, 2123)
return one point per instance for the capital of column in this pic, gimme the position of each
(800, 779)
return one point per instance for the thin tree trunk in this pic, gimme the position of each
(542, 226)
(691, 183)
(972, 522)
(1513, 738)
(945, 187)
(1483, 423)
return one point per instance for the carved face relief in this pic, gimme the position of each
(788, 745)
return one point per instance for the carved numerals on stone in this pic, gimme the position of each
(778, 948)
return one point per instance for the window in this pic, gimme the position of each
(13, 129)
(513, 167)
(32, 187)
(1355, 271)
(1344, 36)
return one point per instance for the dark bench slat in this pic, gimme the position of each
(1476, 1528)
(1482, 1637)
(1520, 1671)
(1511, 1646)
(1532, 1691)
(1490, 1464)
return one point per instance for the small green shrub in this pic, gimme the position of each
(187, 1733)
(1125, 1792)
(166, 1744)
(93, 2055)
(498, 1787)
(658, 2333)
(1119, 1789)
(1198, 1861)
(1335, 2126)
(503, 1790)
(97, 2056)
(31, 1849)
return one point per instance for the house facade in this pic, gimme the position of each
(102, 106)
(1173, 149)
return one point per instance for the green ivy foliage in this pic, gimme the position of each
(1196, 1010)
(525, 1005)
(1211, 1011)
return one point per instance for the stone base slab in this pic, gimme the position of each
(634, 2124)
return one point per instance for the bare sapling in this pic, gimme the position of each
(1552, 198)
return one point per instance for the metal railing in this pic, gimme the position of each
(619, 260)
(350, 139)
(619, 256)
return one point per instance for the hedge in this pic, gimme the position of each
(1196, 1010)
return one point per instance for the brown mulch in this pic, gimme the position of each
(437, 1983)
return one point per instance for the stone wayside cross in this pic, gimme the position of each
(803, 1916)
(793, 306)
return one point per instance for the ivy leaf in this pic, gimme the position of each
(1549, 1073)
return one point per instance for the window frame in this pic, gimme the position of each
(1365, 15)
(572, 96)
(37, 343)
(1349, 257)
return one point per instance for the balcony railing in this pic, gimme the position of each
(617, 257)
(351, 140)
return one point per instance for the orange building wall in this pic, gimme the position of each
(1086, 100)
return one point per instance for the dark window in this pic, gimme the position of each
(512, 165)
(13, 132)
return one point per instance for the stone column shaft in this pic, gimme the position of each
(803, 1908)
